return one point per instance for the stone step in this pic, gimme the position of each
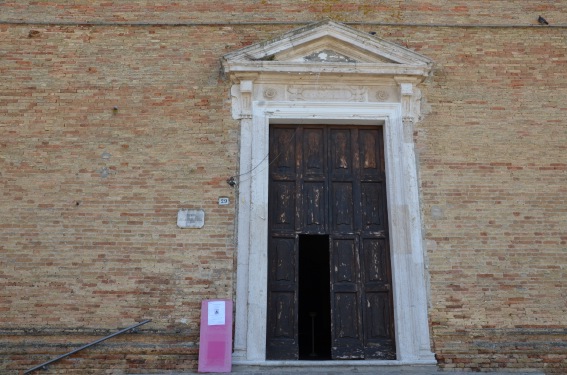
(334, 369)
(357, 370)
(331, 369)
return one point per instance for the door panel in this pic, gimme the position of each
(346, 330)
(375, 261)
(341, 152)
(377, 330)
(315, 207)
(344, 268)
(283, 208)
(330, 180)
(282, 148)
(377, 299)
(372, 210)
(284, 261)
(313, 180)
(342, 207)
(314, 162)
(282, 299)
(346, 334)
(282, 332)
(283, 305)
(370, 151)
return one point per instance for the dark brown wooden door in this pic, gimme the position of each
(330, 180)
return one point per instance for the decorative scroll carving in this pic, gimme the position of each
(327, 93)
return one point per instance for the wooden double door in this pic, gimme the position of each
(327, 204)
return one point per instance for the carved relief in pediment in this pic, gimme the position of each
(328, 55)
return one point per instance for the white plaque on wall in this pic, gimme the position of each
(190, 218)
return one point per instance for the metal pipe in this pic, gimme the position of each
(45, 364)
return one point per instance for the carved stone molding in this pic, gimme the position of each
(326, 93)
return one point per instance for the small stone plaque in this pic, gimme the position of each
(190, 218)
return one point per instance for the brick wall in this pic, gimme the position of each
(88, 235)
(507, 12)
(90, 195)
(494, 181)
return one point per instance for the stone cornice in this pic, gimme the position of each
(274, 68)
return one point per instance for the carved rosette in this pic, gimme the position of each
(270, 93)
(382, 95)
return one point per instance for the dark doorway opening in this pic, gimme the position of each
(314, 298)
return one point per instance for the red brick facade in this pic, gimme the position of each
(107, 130)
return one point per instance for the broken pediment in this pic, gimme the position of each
(327, 46)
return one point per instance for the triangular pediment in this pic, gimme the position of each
(327, 44)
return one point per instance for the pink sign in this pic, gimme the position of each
(215, 346)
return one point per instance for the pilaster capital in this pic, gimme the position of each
(242, 92)
(410, 99)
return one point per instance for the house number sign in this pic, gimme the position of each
(223, 201)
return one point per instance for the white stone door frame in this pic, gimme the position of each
(408, 270)
(328, 73)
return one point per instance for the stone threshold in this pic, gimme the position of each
(335, 366)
